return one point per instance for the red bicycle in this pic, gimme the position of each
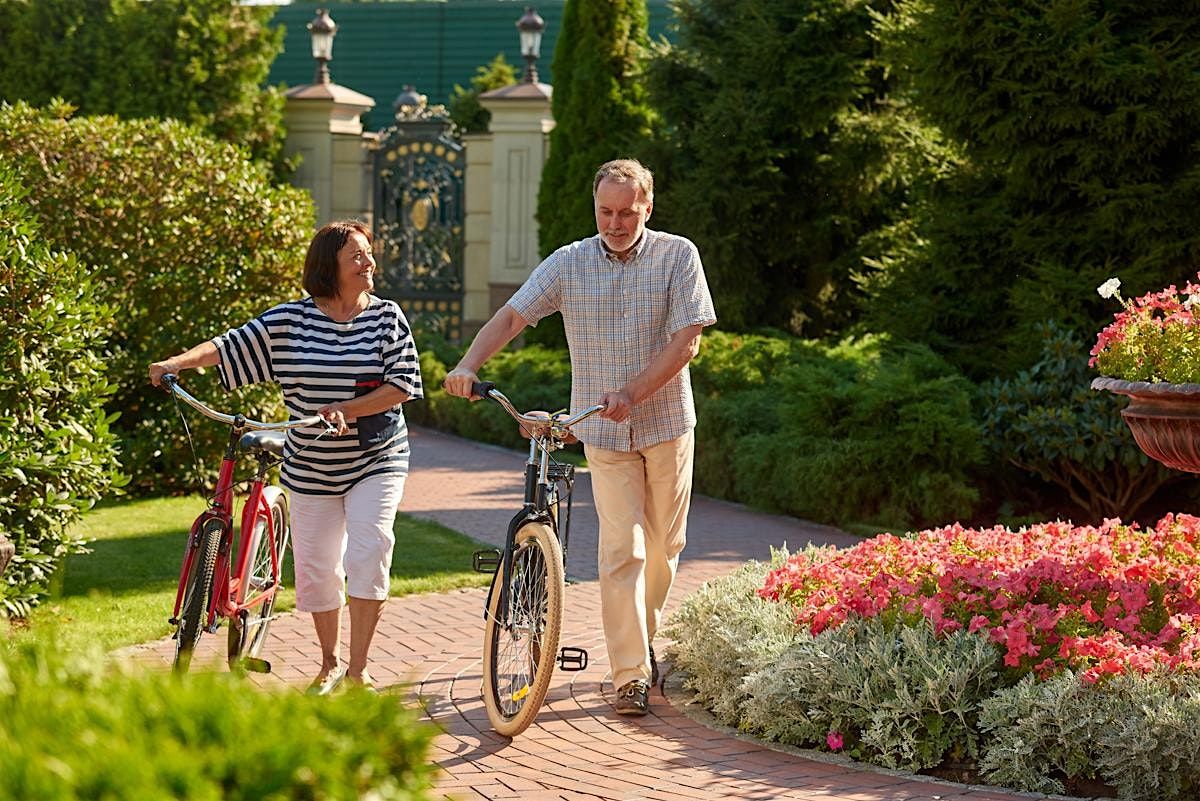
(243, 589)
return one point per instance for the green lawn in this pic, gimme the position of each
(122, 592)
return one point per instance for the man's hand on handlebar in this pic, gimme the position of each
(458, 382)
(618, 405)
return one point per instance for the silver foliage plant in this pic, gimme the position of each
(900, 697)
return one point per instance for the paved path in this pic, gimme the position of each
(578, 749)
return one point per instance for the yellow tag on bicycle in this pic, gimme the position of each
(521, 693)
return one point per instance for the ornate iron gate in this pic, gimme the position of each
(419, 209)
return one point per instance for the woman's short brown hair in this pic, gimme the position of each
(321, 263)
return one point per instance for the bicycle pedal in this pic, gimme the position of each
(255, 665)
(486, 561)
(570, 658)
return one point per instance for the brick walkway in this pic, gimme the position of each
(578, 749)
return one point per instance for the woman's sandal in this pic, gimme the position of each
(365, 682)
(325, 686)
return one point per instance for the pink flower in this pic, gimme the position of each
(834, 740)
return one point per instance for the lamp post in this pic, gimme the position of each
(322, 29)
(530, 26)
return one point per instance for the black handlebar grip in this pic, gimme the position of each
(482, 388)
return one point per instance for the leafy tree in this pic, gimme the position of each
(57, 452)
(198, 61)
(465, 109)
(784, 151)
(187, 236)
(600, 111)
(1077, 125)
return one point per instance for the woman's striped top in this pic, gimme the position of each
(318, 361)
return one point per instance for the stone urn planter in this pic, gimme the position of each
(1164, 419)
(7, 549)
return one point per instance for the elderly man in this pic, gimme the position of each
(634, 302)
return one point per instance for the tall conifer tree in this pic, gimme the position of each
(600, 110)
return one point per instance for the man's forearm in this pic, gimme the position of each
(495, 334)
(682, 348)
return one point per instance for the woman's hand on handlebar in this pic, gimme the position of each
(159, 369)
(458, 382)
(335, 418)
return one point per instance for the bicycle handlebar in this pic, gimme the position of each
(486, 389)
(172, 384)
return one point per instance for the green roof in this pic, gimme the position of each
(380, 47)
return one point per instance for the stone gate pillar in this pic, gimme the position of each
(325, 129)
(512, 164)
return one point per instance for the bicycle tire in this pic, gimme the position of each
(197, 594)
(519, 654)
(248, 630)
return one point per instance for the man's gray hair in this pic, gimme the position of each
(625, 171)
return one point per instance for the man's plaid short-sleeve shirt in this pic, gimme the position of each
(618, 316)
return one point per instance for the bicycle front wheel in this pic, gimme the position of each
(197, 594)
(520, 641)
(248, 630)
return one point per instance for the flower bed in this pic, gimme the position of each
(1054, 659)
(1098, 600)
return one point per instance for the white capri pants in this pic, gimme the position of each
(343, 543)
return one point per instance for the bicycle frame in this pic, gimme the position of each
(229, 596)
(541, 478)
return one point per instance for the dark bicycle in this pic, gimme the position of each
(523, 618)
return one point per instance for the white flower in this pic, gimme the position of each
(1191, 301)
(1109, 288)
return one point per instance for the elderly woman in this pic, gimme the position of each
(348, 356)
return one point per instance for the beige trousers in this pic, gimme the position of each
(642, 499)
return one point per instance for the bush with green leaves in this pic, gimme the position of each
(863, 432)
(532, 377)
(1074, 127)
(57, 451)
(74, 731)
(1137, 733)
(204, 62)
(186, 236)
(1047, 420)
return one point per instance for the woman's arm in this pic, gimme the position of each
(203, 355)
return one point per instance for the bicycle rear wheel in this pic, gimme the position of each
(520, 643)
(196, 595)
(248, 630)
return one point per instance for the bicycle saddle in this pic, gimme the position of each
(269, 441)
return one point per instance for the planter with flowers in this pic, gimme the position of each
(1151, 353)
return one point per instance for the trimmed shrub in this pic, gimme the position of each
(864, 432)
(57, 453)
(72, 731)
(186, 236)
(532, 378)
(859, 433)
(1048, 421)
